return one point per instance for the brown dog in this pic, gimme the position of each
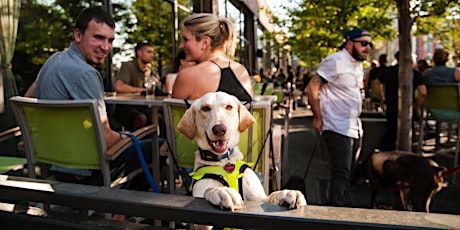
(413, 178)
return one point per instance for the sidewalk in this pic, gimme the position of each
(302, 139)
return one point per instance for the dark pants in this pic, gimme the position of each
(389, 139)
(342, 151)
(125, 115)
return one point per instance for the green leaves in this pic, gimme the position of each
(317, 27)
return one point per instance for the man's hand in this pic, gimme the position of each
(318, 124)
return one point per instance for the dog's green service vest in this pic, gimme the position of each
(218, 172)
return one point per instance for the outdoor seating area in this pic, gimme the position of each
(292, 159)
(227, 114)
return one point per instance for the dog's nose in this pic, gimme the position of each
(219, 130)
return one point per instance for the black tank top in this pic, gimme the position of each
(230, 84)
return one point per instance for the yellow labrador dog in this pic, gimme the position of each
(216, 121)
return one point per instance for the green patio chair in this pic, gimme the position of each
(10, 163)
(69, 133)
(442, 104)
(257, 88)
(251, 141)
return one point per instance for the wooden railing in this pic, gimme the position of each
(186, 209)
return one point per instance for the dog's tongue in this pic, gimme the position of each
(219, 146)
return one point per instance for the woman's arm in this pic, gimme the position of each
(31, 91)
(168, 83)
(181, 87)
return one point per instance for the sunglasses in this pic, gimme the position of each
(365, 43)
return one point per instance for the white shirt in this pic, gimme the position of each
(340, 97)
(173, 78)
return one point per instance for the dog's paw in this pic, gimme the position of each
(224, 197)
(294, 198)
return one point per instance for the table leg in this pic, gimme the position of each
(155, 149)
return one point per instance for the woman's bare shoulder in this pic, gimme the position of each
(194, 81)
(202, 69)
(239, 70)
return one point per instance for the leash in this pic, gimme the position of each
(268, 136)
(436, 179)
(312, 154)
(263, 147)
(186, 177)
(451, 171)
(143, 163)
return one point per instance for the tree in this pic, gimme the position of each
(152, 21)
(44, 29)
(404, 140)
(316, 28)
(408, 14)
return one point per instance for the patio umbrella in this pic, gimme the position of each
(9, 17)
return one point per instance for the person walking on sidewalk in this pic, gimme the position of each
(334, 94)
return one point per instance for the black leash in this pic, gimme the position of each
(269, 135)
(312, 155)
(186, 178)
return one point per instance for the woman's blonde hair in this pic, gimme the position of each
(219, 30)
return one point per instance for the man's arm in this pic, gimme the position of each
(111, 137)
(457, 74)
(379, 92)
(312, 90)
(121, 87)
(421, 96)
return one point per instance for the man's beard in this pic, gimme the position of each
(356, 55)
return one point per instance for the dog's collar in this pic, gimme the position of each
(210, 156)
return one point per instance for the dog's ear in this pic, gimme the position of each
(187, 124)
(246, 118)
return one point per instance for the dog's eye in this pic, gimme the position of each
(206, 108)
(229, 107)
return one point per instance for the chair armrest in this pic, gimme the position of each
(124, 143)
(144, 131)
(9, 133)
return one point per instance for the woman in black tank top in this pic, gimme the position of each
(207, 39)
(230, 84)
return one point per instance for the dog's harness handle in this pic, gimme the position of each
(232, 180)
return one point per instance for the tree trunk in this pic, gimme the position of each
(405, 92)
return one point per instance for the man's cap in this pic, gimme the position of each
(356, 33)
(353, 34)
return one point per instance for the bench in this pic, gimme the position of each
(186, 209)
